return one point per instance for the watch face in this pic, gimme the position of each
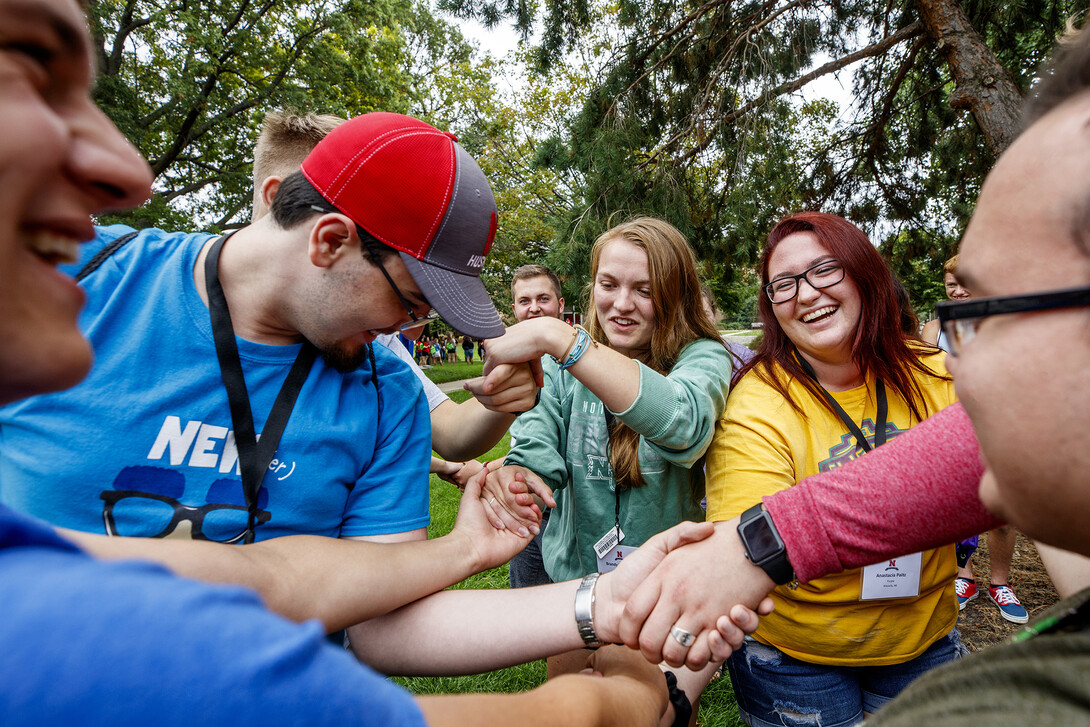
(762, 540)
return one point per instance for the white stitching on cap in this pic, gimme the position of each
(454, 297)
(376, 148)
(345, 165)
(341, 178)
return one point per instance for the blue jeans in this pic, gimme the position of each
(776, 690)
(527, 568)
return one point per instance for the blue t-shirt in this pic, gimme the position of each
(86, 642)
(145, 447)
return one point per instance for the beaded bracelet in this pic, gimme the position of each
(579, 345)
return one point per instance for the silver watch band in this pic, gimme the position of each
(584, 609)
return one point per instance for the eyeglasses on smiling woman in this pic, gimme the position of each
(824, 274)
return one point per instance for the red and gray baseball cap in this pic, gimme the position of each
(417, 190)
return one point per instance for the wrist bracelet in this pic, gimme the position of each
(683, 708)
(584, 609)
(571, 344)
(580, 344)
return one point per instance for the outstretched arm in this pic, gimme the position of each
(467, 632)
(624, 690)
(339, 582)
(462, 431)
(611, 376)
(918, 491)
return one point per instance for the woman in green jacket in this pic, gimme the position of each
(627, 409)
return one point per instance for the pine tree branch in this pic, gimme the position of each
(870, 51)
(876, 129)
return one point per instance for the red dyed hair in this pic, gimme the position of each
(880, 347)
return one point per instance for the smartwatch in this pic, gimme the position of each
(764, 546)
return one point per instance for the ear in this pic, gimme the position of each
(263, 197)
(332, 237)
(268, 190)
(560, 313)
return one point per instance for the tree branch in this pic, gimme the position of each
(875, 130)
(982, 84)
(909, 31)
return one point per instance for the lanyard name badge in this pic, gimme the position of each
(608, 549)
(254, 453)
(898, 577)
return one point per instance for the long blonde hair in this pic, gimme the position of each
(679, 318)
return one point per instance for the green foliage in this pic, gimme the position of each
(737, 299)
(189, 83)
(691, 118)
(534, 196)
(918, 259)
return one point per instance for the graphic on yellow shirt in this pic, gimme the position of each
(847, 449)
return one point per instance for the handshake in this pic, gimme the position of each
(688, 596)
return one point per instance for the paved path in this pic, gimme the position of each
(743, 337)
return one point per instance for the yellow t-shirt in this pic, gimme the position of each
(761, 446)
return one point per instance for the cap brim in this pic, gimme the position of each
(461, 300)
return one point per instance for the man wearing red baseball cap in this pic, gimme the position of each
(415, 189)
(236, 396)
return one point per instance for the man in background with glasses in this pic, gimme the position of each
(386, 227)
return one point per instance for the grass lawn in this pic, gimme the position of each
(717, 708)
(454, 372)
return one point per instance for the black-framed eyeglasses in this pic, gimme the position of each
(960, 319)
(822, 275)
(370, 245)
(417, 321)
(131, 513)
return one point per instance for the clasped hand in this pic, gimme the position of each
(694, 576)
(493, 546)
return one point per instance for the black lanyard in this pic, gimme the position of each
(883, 408)
(254, 455)
(610, 419)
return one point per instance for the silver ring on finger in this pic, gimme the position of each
(492, 501)
(683, 637)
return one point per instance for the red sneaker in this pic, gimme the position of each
(965, 590)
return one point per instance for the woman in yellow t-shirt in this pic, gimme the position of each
(834, 377)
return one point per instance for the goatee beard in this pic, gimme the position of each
(340, 357)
